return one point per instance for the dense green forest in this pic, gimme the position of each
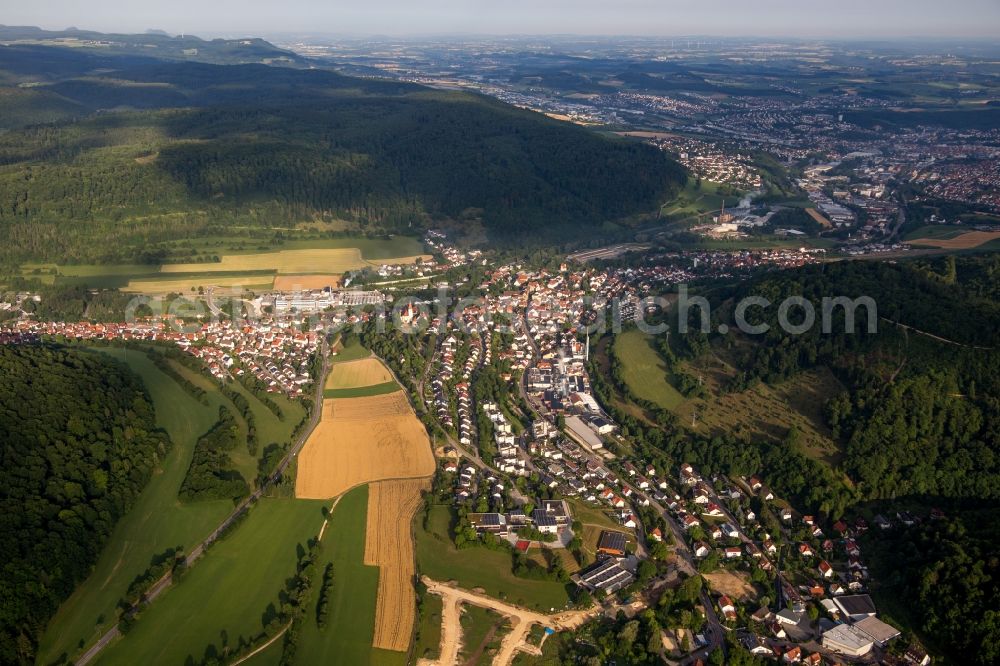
(165, 150)
(77, 445)
(946, 577)
(920, 415)
(210, 475)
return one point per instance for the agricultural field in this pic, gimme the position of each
(362, 391)
(473, 568)
(204, 280)
(304, 282)
(428, 643)
(242, 263)
(158, 521)
(389, 546)
(355, 374)
(352, 351)
(644, 370)
(321, 260)
(694, 203)
(213, 609)
(270, 429)
(479, 625)
(347, 638)
(360, 440)
(962, 241)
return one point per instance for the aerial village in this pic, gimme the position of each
(529, 460)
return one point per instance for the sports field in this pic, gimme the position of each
(645, 372)
(228, 597)
(389, 546)
(359, 440)
(156, 522)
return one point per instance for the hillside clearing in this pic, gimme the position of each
(644, 371)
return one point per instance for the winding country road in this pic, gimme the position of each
(196, 552)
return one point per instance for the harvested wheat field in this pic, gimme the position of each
(389, 546)
(297, 282)
(355, 374)
(318, 260)
(961, 242)
(360, 440)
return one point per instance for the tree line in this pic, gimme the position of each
(78, 442)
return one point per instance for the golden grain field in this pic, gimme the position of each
(297, 282)
(325, 261)
(355, 374)
(360, 440)
(389, 546)
(961, 242)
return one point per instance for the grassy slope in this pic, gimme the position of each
(225, 597)
(269, 428)
(428, 645)
(157, 522)
(347, 638)
(478, 567)
(362, 391)
(764, 411)
(119, 275)
(352, 352)
(476, 624)
(644, 370)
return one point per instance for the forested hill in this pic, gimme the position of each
(153, 45)
(921, 415)
(77, 445)
(147, 150)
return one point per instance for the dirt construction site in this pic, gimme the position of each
(515, 641)
(389, 546)
(360, 440)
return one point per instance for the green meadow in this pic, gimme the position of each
(491, 570)
(227, 598)
(157, 522)
(644, 370)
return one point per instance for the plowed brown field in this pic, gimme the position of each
(389, 546)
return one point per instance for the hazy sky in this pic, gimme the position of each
(807, 18)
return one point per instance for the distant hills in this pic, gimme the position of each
(154, 44)
(145, 148)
